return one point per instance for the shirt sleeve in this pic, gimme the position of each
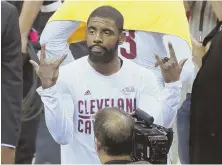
(55, 36)
(59, 110)
(149, 97)
(171, 96)
(162, 105)
(7, 145)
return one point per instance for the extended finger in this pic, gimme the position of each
(159, 61)
(182, 62)
(172, 52)
(35, 65)
(42, 56)
(58, 63)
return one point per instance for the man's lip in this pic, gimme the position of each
(97, 49)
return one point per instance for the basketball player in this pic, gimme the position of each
(139, 46)
(73, 93)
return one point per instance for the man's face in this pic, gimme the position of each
(102, 39)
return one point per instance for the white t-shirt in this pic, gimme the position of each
(80, 91)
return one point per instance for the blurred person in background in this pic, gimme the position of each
(34, 137)
(26, 145)
(205, 112)
(47, 150)
(203, 17)
(11, 75)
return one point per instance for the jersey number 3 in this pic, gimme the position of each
(132, 46)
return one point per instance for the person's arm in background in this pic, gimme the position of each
(217, 6)
(55, 36)
(12, 83)
(198, 50)
(29, 12)
(187, 8)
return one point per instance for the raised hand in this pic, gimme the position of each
(47, 70)
(170, 68)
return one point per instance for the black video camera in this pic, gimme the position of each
(151, 142)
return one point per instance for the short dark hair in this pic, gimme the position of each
(108, 12)
(113, 129)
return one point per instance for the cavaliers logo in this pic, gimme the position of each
(128, 90)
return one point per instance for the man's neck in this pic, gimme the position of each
(107, 69)
(106, 158)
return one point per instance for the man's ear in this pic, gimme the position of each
(122, 38)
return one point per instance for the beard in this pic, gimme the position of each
(104, 56)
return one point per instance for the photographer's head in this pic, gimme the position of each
(113, 134)
(104, 34)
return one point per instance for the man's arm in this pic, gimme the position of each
(163, 105)
(174, 94)
(182, 51)
(55, 36)
(175, 75)
(149, 97)
(12, 82)
(59, 109)
(171, 98)
(30, 10)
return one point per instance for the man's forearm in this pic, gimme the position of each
(58, 113)
(7, 155)
(171, 100)
(30, 10)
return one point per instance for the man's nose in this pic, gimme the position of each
(98, 39)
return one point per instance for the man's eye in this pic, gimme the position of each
(107, 32)
(91, 32)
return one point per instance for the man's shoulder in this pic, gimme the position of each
(75, 64)
(70, 71)
(73, 68)
(144, 75)
(135, 68)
